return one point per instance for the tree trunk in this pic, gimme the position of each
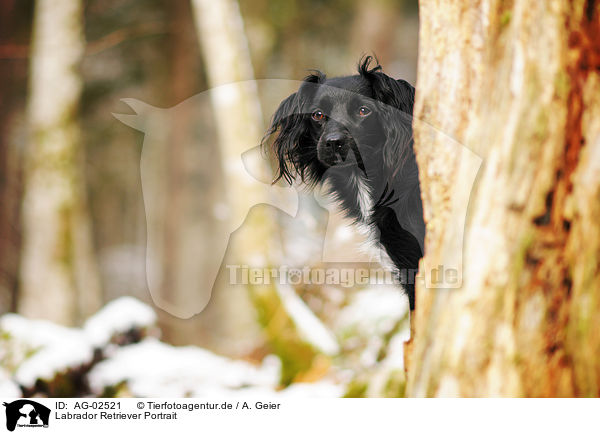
(237, 113)
(239, 127)
(517, 83)
(180, 277)
(59, 279)
(12, 77)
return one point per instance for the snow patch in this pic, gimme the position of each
(118, 316)
(55, 348)
(8, 388)
(154, 369)
(373, 310)
(41, 349)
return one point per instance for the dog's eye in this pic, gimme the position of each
(318, 115)
(364, 111)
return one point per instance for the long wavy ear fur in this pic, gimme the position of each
(397, 98)
(285, 120)
(291, 146)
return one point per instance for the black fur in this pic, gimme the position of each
(361, 147)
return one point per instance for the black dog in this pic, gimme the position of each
(354, 135)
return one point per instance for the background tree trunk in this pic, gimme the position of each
(518, 83)
(59, 279)
(12, 77)
(180, 281)
(241, 309)
(238, 120)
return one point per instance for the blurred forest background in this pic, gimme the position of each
(73, 227)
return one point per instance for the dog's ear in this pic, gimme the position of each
(315, 76)
(286, 122)
(396, 98)
(397, 93)
(289, 123)
(287, 108)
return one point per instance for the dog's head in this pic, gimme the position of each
(343, 123)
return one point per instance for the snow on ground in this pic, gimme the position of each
(53, 348)
(8, 388)
(118, 316)
(41, 349)
(373, 311)
(154, 369)
(371, 314)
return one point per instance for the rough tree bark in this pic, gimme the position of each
(518, 83)
(59, 279)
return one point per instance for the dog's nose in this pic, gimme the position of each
(333, 148)
(335, 142)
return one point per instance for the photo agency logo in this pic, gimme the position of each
(336, 275)
(25, 413)
(200, 227)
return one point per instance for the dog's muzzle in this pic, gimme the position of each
(333, 149)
